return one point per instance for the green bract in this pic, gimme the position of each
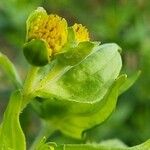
(36, 52)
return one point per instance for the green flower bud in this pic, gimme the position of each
(37, 52)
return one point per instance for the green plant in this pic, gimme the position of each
(73, 85)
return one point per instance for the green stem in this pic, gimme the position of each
(44, 133)
(28, 86)
(30, 79)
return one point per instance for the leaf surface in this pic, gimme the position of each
(11, 134)
(83, 96)
(106, 145)
(10, 70)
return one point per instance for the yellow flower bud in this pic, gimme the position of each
(81, 33)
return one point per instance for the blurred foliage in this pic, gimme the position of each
(125, 22)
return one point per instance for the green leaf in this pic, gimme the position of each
(11, 134)
(85, 95)
(74, 55)
(42, 145)
(113, 143)
(89, 80)
(82, 116)
(107, 146)
(129, 82)
(10, 70)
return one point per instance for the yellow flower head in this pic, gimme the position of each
(81, 33)
(51, 28)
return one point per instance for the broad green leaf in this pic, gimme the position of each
(85, 95)
(10, 70)
(71, 56)
(101, 146)
(89, 80)
(83, 116)
(11, 134)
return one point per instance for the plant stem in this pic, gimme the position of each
(28, 86)
(30, 79)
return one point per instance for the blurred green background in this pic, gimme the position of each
(125, 22)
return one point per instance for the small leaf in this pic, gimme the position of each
(42, 145)
(11, 134)
(129, 82)
(10, 70)
(74, 55)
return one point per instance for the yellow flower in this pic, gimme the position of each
(81, 33)
(50, 28)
